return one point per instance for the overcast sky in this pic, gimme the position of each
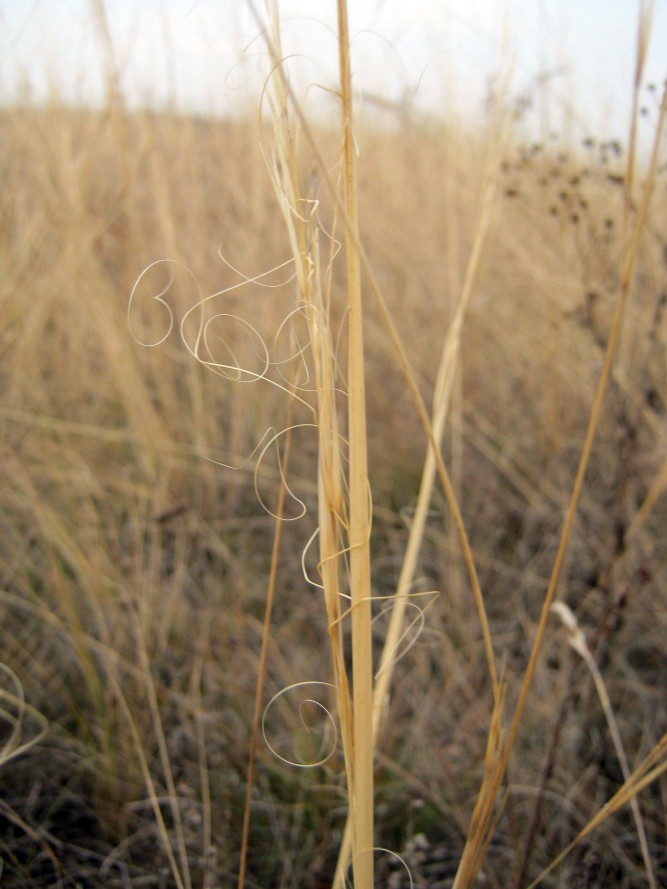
(575, 55)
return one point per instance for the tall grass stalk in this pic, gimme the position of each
(360, 767)
(479, 834)
(362, 805)
(404, 365)
(314, 296)
(499, 747)
(441, 404)
(335, 516)
(440, 412)
(261, 672)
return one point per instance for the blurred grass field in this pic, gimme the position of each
(133, 564)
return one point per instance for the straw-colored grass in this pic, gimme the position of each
(500, 308)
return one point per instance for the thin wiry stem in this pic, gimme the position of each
(261, 672)
(578, 642)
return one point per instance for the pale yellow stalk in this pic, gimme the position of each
(359, 514)
(332, 511)
(404, 366)
(441, 402)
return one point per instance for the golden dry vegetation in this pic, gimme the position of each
(134, 564)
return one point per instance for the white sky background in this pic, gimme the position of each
(436, 55)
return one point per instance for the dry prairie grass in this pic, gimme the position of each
(133, 568)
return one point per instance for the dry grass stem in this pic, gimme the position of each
(389, 390)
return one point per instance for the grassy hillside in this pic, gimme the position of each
(135, 549)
